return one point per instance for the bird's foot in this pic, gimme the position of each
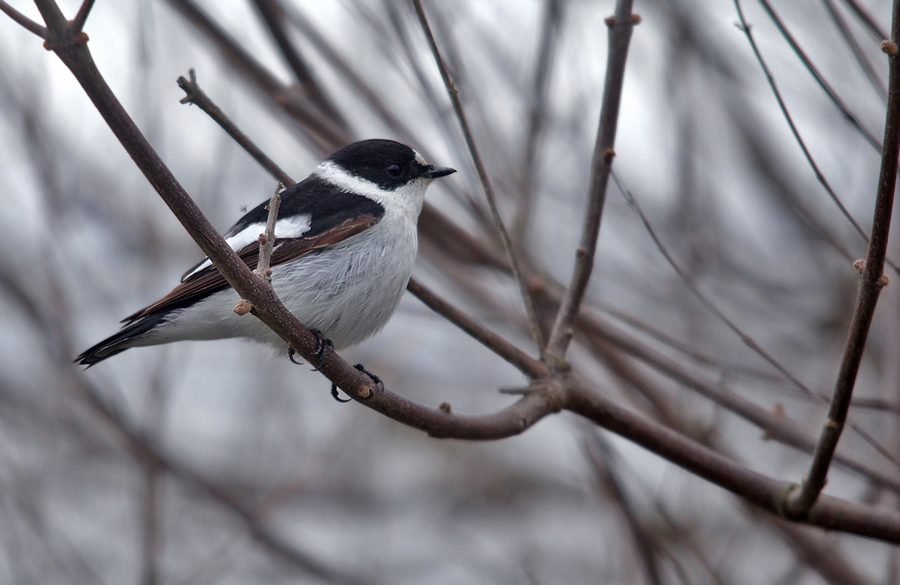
(324, 344)
(379, 385)
(322, 347)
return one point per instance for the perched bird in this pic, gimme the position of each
(345, 243)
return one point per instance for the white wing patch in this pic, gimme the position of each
(288, 227)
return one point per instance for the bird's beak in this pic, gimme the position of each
(434, 172)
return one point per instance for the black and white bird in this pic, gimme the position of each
(345, 243)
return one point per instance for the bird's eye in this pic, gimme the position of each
(394, 171)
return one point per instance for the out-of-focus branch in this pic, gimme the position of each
(820, 176)
(323, 133)
(82, 15)
(768, 494)
(195, 95)
(602, 459)
(528, 168)
(512, 354)
(23, 20)
(273, 14)
(820, 79)
(872, 280)
(620, 28)
(534, 325)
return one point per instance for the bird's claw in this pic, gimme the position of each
(379, 385)
(322, 346)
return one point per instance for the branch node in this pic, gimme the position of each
(860, 265)
(48, 46)
(608, 155)
(889, 47)
(831, 424)
(82, 39)
(445, 407)
(882, 281)
(243, 307)
(610, 21)
(636, 19)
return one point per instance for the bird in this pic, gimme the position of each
(345, 244)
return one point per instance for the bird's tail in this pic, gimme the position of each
(119, 342)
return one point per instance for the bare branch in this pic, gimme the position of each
(871, 281)
(322, 132)
(81, 17)
(534, 325)
(273, 15)
(267, 240)
(525, 363)
(23, 20)
(768, 494)
(196, 96)
(620, 28)
(820, 79)
(820, 176)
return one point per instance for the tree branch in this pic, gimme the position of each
(621, 26)
(533, 323)
(195, 95)
(871, 281)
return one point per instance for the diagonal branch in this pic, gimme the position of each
(23, 20)
(871, 281)
(81, 17)
(273, 15)
(621, 26)
(196, 96)
(485, 180)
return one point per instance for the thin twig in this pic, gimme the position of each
(81, 17)
(745, 28)
(534, 325)
(319, 131)
(871, 281)
(267, 240)
(746, 338)
(858, 53)
(196, 96)
(509, 352)
(528, 168)
(602, 459)
(273, 15)
(23, 20)
(820, 79)
(867, 20)
(621, 26)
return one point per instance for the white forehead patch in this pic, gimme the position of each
(340, 178)
(420, 159)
